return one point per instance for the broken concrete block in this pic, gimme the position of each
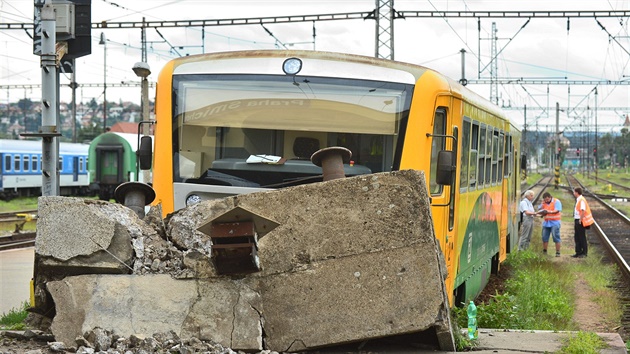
(223, 310)
(355, 259)
(67, 227)
(351, 260)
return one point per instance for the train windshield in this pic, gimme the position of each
(261, 130)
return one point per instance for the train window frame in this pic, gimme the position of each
(8, 160)
(81, 164)
(481, 159)
(17, 163)
(501, 156)
(496, 144)
(441, 112)
(451, 206)
(60, 164)
(474, 155)
(191, 159)
(465, 160)
(488, 158)
(34, 159)
(509, 148)
(26, 163)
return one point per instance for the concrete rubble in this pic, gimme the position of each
(351, 260)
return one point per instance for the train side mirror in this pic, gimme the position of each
(445, 167)
(145, 152)
(523, 162)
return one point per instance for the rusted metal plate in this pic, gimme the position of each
(232, 229)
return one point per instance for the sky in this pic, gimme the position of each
(543, 49)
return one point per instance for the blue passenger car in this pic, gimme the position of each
(21, 168)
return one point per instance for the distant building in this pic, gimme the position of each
(125, 127)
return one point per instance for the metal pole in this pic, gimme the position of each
(50, 182)
(463, 80)
(73, 86)
(103, 41)
(524, 145)
(557, 169)
(596, 137)
(146, 174)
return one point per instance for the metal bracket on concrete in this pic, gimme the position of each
(234, 237)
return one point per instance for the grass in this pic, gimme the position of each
(583, 343)
(18, 204)
(14, 319)
(539, 295)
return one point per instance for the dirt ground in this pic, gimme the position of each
(588, 314)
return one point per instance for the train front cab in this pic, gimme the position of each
(473, 217)
(112, 162)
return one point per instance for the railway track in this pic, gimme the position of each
(538, 188)
(622, 191)
(15, 241)
(18, 238)
(611, 229)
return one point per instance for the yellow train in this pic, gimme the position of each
(239, 122)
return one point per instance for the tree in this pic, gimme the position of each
(87, 134)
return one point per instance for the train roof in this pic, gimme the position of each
(391, 70)
(109, 137)
(35, 146)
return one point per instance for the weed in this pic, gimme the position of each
(14, 319)
(583, 343)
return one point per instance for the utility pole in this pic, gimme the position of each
(557, 169)
(595, 151)
(48, 131)
(524, 148)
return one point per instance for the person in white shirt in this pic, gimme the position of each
(526, 208)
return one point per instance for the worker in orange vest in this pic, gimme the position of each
(583, 220)
(550, 209)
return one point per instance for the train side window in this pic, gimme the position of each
(463, 173)
(488, 167)
(34, 163)
(26, 161)
(508, 156)
(60, 164)
(40, 162)
(16, 163)
(474, 154)
(80, 164)
(482, 157)
(502, 160)
(7, 163)
(437, 144)
(496, 156)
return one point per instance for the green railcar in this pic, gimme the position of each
(112, 161)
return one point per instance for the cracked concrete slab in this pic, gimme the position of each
(352, 259)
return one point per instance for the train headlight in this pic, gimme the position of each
(192, 199)
(292, 66)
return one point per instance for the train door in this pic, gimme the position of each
(109, 171)
(504, 244)
(75, 169)
(443, 196)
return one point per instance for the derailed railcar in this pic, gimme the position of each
(113, 161)
(240, 122)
